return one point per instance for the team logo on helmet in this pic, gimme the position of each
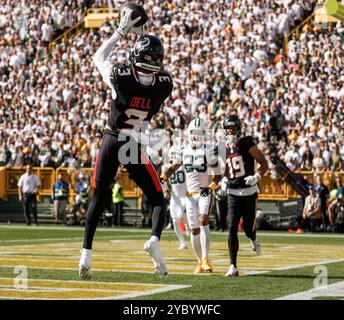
(140, 45)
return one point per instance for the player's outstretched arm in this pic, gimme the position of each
(102, 55)
(165, 176)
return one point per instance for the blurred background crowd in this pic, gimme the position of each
(224, 56)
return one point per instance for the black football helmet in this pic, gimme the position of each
(232, 127)
(147, 55)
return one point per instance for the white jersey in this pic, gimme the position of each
(197, 164)
(177, 181)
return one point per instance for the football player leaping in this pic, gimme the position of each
(197, 160)
(177, 202)
(138, 91)
(241, 153)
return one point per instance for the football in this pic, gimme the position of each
(138, 11)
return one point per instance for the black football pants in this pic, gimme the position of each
(140, 170)
(245, 207)
(30, 206)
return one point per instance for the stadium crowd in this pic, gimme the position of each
(224, 56)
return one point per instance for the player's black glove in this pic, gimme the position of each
(205, 192)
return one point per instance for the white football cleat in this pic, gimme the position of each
(232, 272)
(256, 247)
(85, 264)
(182, 246)
(153, 249)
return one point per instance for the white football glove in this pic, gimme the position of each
(252, 180)
(127, 24)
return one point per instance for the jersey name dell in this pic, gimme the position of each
(135, 103)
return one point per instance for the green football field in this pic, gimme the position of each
(41, 263)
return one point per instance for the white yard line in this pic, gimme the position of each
(146, 293)
(105, 229)
(134, 294)
(70, 238)
(332, 290)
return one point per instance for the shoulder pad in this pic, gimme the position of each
(247, 142)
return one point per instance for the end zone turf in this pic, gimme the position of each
(122, 270)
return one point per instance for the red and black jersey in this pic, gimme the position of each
(240, 163)
(136, 103)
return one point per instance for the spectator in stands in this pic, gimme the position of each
(312, 210)
(17, 157)
(307, 160)
(60, 196)
(28, 188)
(5, 154)
(292, 157)
(319, 162)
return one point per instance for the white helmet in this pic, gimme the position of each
(196, 133)
(174, 153)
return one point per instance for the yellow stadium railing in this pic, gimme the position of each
(319, 14)
(297, 31)
(101, 10)
(46, 176)
(270, 189)
(3, 183)
(9, 179)
(80, 25)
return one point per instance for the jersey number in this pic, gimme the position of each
(124, 72)
(199, 165)
(136, 117)
(178, 177)
(236, 167)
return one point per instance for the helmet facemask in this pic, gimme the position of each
(196, 138)
(232, 134)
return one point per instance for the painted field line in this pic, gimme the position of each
(309, 264)
(159, 288)
(301, 235)
(105, 229)
(67, 239)
(249, 273)
(120, 297)
(332, 290)
(149, 292)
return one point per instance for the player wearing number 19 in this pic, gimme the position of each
(138, 90)
(241, 154)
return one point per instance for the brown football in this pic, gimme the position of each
(138, 11)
